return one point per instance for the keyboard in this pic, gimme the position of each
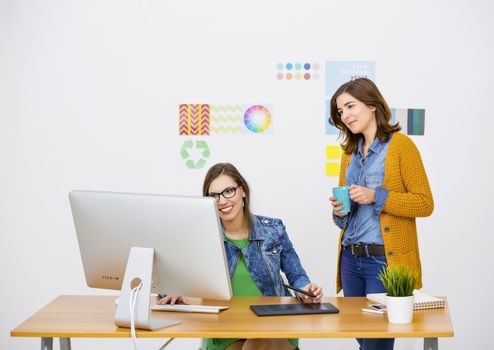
(210, 309)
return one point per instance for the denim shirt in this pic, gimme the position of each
(269, 251)
(362, 223)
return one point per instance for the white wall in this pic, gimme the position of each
(89, 92)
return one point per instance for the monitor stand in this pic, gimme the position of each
(139, 269)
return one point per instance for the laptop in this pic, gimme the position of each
(294, 309)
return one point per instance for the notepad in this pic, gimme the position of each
(422, 301)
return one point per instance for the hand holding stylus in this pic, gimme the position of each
(311, 293)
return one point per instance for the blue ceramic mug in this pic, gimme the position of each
(342, 195)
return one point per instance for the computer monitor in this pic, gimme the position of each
(183, 232)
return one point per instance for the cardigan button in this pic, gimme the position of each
(387, 229)
(390, 253)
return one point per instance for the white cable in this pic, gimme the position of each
(132, 305)
(166, 343)
(133, 300)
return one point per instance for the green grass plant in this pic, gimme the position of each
(398, 280)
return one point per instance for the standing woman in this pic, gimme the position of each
(388, 188)
(257, 250)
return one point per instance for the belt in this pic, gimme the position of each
(360, 249)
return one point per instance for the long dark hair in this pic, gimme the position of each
(365, 91)
(230, 170)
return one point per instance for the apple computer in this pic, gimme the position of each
(160, 243)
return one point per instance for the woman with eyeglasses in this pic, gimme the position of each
(388, 188)
(257, 249)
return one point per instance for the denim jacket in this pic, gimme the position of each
(269, 251)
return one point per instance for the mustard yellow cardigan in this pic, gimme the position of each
(409, 197)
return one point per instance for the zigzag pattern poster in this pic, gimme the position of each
(226, 119)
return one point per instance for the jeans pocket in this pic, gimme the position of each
(381, 260)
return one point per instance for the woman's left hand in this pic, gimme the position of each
(362, 195)
(314, 289)
(173, 299)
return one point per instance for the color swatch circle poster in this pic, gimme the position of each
(257, 119)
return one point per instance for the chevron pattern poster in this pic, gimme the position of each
(226, 119)
(412, 120)
(194, 119)
(338, 73)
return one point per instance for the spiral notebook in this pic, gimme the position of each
(422, 301)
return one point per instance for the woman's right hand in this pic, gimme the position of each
(315, 290)
(337, 207)
(173, 299)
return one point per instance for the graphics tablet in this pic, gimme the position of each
(294, 309)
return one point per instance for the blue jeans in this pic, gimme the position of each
(359, 278)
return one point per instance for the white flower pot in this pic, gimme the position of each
(399, 309)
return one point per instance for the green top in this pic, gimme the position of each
(242, 282)
(242, 285)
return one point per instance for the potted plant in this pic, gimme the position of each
(399, 283)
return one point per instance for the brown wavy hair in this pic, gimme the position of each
(365, 91)
(230, 170)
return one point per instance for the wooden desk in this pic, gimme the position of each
(70, 316)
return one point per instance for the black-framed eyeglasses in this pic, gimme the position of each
(227, 193)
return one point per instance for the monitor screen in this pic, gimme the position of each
(189, 256)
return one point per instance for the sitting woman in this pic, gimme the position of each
(257, 249)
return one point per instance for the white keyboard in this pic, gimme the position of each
(211, 309)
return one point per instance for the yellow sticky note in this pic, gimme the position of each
(333, 152)
(332, 169)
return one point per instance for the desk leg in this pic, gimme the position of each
(431, 344)
(65, 344)
(46, 343)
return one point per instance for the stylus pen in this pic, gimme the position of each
(300, 290)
